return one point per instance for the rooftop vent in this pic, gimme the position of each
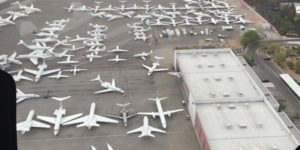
(259, 124)
(256, 148)
(239, 148)
(212, 94)
(223, 65)
(205, 79)
(204, 55)
(230, 77)
(242, 125)
(218, 106)
(228, 125)
(225, 95)
(274, 147)
(247, 105)
(210, 65)
(218, 78)
(240, 94)
(194, 54)
(216, 54)
(199, 65)
(231, 106)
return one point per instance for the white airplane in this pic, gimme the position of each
(96, 50)
(35, 47)
(73, 48)
(59, 113)
(108, 147)
(98, 14)
(160, 16)
(160, 112)
(135, 7)
(146, 129)
(6, 20)
(77, 38)
(158, 23)
(60, 55)
(16, 14)
(124, 114)
(108, 8)
(46, 34)
(34, 56)
(20, 77)
(187, 22)
(81, 8)
(28, 9)
(177, 74)
(143, 17)
(75, 70)
(117, 49)
(154, 66)
(110, 87)
(53, 29)
(68, 61)
(91, 56)
(97, 7)
(9, 59)
(128, 14)
(143, 55)
(71, 7)
(142, 37)
(111, 17)
(58, 76)
(116, 59)
(63, 42)
(46, 39)
(242, 20)
(41, 71)
(101, 28)
(21, 96)
(172, 13)
(93, 44)
(91, 119)
(28, 123)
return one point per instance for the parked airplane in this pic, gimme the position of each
(28, 9)
(177, 74)
(116, 59)
(34, 56)
(91, 119)
(41, 71)
(160, 111)
(111, 17)
(146, 129)
(124, 113)
(91, 56)
(143, 55)
(154, 66)
(20, 77)
(77, 38)
(58, 76)
(117, 49)
(68, 61)
(75, 70)
(128, 14)
(242, 20)
(110, 87)
(73, 48)
(59, 113)
(108, 147)
(142, 37)
(28, 123)
(46, 34)
(6, 20)
(96, 50)
(35, 47)
(5, 59)
(21, 96)
(46, 39)
(16, 14)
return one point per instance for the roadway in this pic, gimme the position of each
(269, 70)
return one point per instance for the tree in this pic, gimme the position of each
(291, 65)
(280, 58)
(297, 66)
(282, 104)
(272, 48)
(249, 37)
(249, 59)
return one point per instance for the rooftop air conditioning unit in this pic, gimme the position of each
(194, 54)
(204, 55)
(218, 106)
(240, 93)
(256, 148)
(223, 65)
(210, 65)
(225, 95)
(247, 105)
(259, 124)
(199, 65)
(239, 148)
(231, 106)
(217, 78)
(274, 147)
(205, 79)
(228, 125)
(231, 77)
(242, 125)
(212, 94)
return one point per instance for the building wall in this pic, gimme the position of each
(201, 134)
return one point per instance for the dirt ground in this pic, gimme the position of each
(235, 44)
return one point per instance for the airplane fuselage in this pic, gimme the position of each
(59, 113)
(161, 114)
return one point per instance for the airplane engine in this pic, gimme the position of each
(153, 115)
(169, 114)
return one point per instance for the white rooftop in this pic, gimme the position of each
(245, 125)
(216, 75)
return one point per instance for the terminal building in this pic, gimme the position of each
(228, 106)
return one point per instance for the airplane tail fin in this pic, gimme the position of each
(61, 98)
(97, 79)
(123, 105)
(157, 98)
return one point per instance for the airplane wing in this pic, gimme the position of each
(69, 118)
(26, 78)
(50, 71)
(37, 124)
(113, 83)
(47, 119)
(21, 126)
(143, 58)
(135, 130)
(103, 91)
(161, 69)
(156, 130)
(78, 120)
(131, 116)
(111, 59)
(31, 71)
(147, 67)
(149, 113)
(118, 117)
(104, 119)
(169, 112)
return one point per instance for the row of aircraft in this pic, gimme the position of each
(92, 119)
(24, 11)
